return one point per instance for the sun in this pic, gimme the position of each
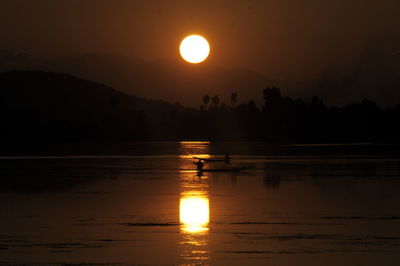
(194, 49)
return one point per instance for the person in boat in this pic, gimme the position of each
(199, 174)
(199, 165)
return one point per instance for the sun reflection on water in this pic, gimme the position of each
(194, 207)
(194, 211)
(190, 149)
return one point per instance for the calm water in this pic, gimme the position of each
(154, 209)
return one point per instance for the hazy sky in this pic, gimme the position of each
(289, 40)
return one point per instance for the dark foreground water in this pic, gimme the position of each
(154, 209)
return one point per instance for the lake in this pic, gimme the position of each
(148, 205)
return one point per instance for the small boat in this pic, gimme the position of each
(209, 160)
(230, 169)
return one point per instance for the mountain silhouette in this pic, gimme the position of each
(48, 105)
(168, 80)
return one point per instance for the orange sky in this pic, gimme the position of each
(291, 41)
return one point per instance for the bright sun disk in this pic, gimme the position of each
(194, 49)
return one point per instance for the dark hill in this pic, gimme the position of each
(169, 80)
(46, 105)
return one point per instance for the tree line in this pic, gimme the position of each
(284, 119)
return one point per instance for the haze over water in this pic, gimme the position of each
(156, 209)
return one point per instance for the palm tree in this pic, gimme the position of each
(215, 100)
(233, 98)
(206, 100)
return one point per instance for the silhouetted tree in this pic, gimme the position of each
(316, 101)
(272, 98)
(206, 100)
(233, 98)
(215, 101)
